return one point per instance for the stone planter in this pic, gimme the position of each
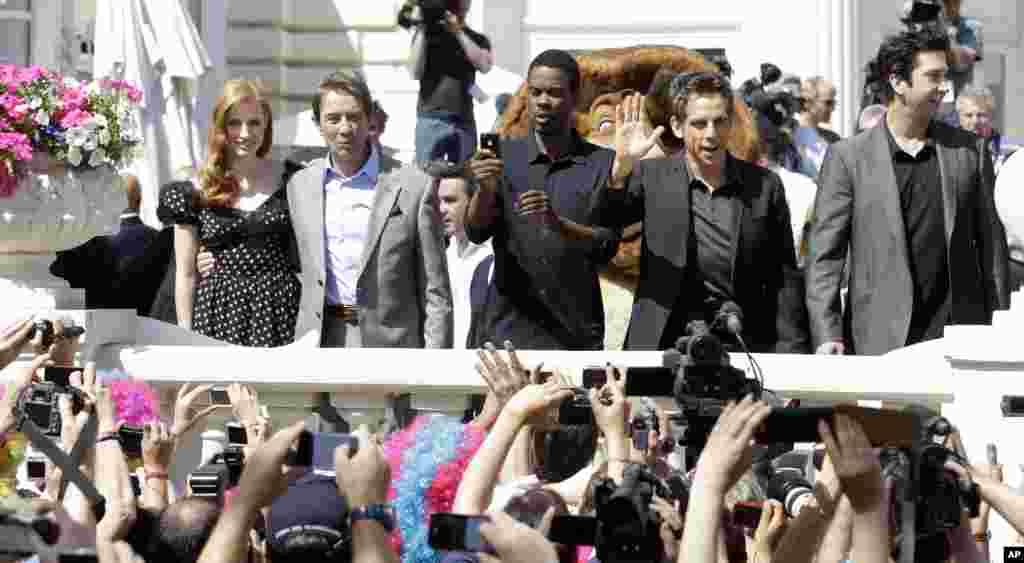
(54, 209)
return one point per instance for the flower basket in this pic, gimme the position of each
(62, 143)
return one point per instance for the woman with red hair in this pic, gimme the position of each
(237, 210)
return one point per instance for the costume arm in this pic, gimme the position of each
(437, 293)
(829, 238)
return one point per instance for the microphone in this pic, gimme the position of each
(730, 317)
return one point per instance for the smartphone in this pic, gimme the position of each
(573, 530)
(457, 532)
(301, 455)
(993, 454)
(236, 434)
(136, 485)
(324, 444)
(747, 514)
(36, 469)
(219, 396)
(59, 375)
(594, 377)
(131, 441)
(491, 142)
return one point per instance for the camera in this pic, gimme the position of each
(625, 528)
(219, 474)
(431, 14)
(921, 13)
(785, 480)
(576, 409)
(39, 405)
(924, 488)
(697, 373)
(45, 328)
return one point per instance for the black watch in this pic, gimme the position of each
(382, 513)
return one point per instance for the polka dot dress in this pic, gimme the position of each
(251, 298)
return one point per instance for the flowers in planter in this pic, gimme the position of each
(82, 124)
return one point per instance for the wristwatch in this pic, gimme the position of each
(382, 513)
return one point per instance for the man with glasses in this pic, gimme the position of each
(716, 228)
(974, 108)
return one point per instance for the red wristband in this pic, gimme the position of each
(155, 474)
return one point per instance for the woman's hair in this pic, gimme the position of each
(219, 187)
(560, 454)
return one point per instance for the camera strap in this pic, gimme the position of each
(67, 464)
(85, 437)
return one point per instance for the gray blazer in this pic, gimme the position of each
(402, 288)
(858, 210)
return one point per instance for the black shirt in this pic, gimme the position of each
(448, 74)
(709, 268)
(919, 180)
(548, 295)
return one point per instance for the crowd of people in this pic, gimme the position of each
(513, 470)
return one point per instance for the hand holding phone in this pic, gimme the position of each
(219, 396)
(458, 532)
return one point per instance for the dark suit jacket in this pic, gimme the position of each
(858, 209)
(132, 239)
(765, 283)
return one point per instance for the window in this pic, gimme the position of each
(15, 31)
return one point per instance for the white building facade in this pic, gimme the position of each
(291, 44)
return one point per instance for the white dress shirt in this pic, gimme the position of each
(348, 203)
(463, 258)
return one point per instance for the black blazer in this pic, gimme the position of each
(766, 282)
(858, 211)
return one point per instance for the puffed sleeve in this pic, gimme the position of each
(177, 204)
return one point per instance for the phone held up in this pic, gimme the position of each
(491, 142)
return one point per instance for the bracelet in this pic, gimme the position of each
(161, 475)
(108, 437)
(983, 537)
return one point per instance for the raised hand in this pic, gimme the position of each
(632, 140)
(157, 446)
(610, 405)
(183, 417)
(485, 168)
(532, 403)
(12, 340)
(264, 477)
(503, 378)
(245, 403)
(727, 454)
(855, 462)
(769, 531)
(364, 478)
(14, 389)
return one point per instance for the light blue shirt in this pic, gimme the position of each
(348, 203)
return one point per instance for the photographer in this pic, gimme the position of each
(446, 54)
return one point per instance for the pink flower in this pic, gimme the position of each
(17, 144)
(74, 118)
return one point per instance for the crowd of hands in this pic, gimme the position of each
(848, 517)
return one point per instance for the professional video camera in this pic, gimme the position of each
(625, 529)
(432, 13)
(927, 498)
(25, 534)
(922, 13)
(773, 95)
(697, 373)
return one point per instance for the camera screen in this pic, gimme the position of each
(457, 532)
(237, 434)
(59, 375)
(36, 469)
(594, 377)
(324, 444)
(219, 396)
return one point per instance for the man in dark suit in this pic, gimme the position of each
(716, 228)
(134, 236)
(911, 201)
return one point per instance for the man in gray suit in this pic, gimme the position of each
(911, 201)
(370, 241)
